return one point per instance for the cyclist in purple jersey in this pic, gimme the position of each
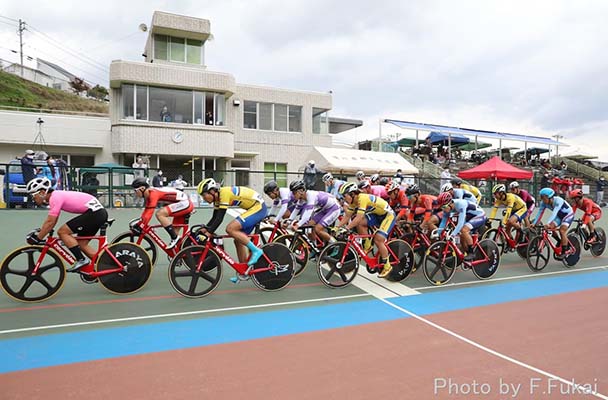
(283, 201)
(319, 208)
(92, 217)
(526, 197)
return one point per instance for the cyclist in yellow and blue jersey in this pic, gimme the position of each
(372, 211)
(235, 196)
(516, 208)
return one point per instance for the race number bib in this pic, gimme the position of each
(94, 205)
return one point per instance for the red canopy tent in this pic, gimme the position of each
(495, 168)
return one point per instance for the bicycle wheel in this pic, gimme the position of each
(493, 235)
(147, 244)
(597, 248)
(439, 263)
(522, 245)
(184, 278)
(489, 252)
(573, 258)
(281, 271)
(401, 257)
(332, 271)
(136, 263)
(265, 234)
(537, 254)
(419, 250)
(299, 249)
(16, 274)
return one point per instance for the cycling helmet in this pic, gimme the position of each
(140, 182)
(206, 185)
(270, 186)
(297, 185)
(444, 198)
(499, 188)
(374, 178)
(446, 187)
(547, 192)
(348, 187)
(576, 194)
(513, 185)
(383, 181)
(327, 177)
(456, 181)
(360, 174)
(392, 186)
(364, 184)
(412, 190)
(38, 184)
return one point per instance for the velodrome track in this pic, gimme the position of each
(519, 335)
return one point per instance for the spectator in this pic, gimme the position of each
(91, 185)
(179, 183)
(601, 183)
(398, 177)
(55, 173)
(545, 181)
(28, 170)
(445, 177)
(165, 116)
(139, 163)
(310, 175)
(157, 181)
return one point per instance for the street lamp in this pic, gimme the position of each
(557, 138)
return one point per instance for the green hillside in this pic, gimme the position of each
(18, 92)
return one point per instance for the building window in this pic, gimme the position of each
(295, 119)
(178, 49)
(265, 116)
(141, 102)
(128, 103)
(193, 51)
(199, 109)
(276, 172)
(161, 47)
(319, 121)
(280, 117)
(220, 109)
(250, 115)
(170, 105)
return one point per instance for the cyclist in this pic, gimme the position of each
(592, 211)
(459, 184)
(371, 211)
(376, 190)
(332, 185)
(283, 201)
(92, 217)
(458, 193)
(422, 207)
(562, 216)
(374, 179)
(470, 218)
(178, 206)
(360, 176)
(319, 208)
(515, 208)
(398, 199)
(239, 228)
(526, 197)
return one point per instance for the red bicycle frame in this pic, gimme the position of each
(150, 231)
(372, 262)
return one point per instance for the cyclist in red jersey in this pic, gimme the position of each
(398, 199)
(179, 206)
(92, 217)
(423, 204)
(592, 211)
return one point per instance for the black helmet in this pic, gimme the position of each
(140, 182)
(456, 181)
(297, 185)
(412, 190)
(270, 186)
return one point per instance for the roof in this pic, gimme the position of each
(333, 159)
(495, 168)
(57, 68)
(473, 132)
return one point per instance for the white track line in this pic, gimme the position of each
(575, 387)
(180, 314)
(507, 278)
(380, 287)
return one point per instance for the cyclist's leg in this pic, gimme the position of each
(380, 241)
(323, 220)
(86, 224)
(241, 227)
(165, 214)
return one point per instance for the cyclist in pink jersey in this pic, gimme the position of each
(376, 190)
(92, 216)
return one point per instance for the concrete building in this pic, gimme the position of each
(46, 74)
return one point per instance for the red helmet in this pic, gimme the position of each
(576, 194)
(444, 198)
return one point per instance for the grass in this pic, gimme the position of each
(18, 92)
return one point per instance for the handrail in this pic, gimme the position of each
(577, 168)
(50, 111)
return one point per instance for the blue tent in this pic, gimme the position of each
(443, 138)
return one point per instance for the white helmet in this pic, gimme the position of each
(513, 185)
(38, 184)
(360, 174)
(446, 187)
(327, 177)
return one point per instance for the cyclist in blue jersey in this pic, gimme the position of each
(562, 217)
(332, 185)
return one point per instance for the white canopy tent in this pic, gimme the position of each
(339, 160)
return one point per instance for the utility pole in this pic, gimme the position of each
(557, 138)
(21, 29)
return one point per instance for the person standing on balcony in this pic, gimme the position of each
(601, 184)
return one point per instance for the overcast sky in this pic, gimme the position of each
(529, 67)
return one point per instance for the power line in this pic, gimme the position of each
(50, 57)
(8, 23)
(10, 19)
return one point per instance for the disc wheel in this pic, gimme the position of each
(488, 251)
(419, 250)
(183, 274)
(335, 268)
(298, 248)
(439, 263)
(573, 258)
(493, 235)
(537, 254)
(597, 248)
(401, 257)
(136, 263)
(281, 270)
(145, 242)
(16, 274)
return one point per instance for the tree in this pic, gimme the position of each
(79, 85)
(98, 92)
